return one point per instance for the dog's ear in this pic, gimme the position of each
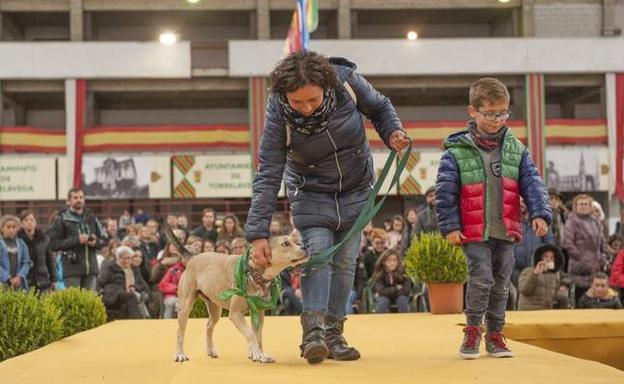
(173, 239)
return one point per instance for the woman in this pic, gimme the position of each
(392, 286)
(42, 272)
(314, 130)
(123, 287)
(585, 242)
(230, 229)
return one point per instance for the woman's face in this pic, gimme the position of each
(583, 207)
(9, 230)
(412, 216)
(306, 99)
(137, 258)
(392, 262)
(397, 225)
(209, 246)
(229, 224)
(124, 260)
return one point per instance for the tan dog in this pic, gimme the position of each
(208, 274)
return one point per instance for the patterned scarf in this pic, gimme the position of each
(308, 125)
(485, 141)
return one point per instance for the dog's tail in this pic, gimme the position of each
(173, 239)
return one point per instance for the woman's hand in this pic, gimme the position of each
(399, 140)
(261, 253)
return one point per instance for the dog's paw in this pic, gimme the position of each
(266, 359)
(262, 358)
(212, 352)
(181, 357)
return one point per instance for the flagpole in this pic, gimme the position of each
(303, 22)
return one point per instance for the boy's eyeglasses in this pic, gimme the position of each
(493, 116)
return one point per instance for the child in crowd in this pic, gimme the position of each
(392, 286)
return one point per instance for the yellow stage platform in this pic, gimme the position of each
(410, 348)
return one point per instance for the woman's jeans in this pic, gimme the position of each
(326, 289)
(383, 304)
(490, 264)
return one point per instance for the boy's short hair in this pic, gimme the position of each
(600, 276)
(487, 90)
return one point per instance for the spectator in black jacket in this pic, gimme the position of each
(208, 230)
(42, 275)
(599, 295)
(123, 287)
(392, 286)
(77, 234)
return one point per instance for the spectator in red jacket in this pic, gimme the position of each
(169, 288)
(616, 279)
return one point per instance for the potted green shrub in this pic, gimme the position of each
(442, 266)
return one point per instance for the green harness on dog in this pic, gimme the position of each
(255, 303)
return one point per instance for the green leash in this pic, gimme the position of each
(255, 303)
(369, 210)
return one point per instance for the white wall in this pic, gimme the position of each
(446, 56)
(61, 60)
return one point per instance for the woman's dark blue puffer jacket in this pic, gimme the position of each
(328, 174)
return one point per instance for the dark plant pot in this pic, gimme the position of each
(446, 298)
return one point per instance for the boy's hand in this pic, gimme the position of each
(456, 238)
(539, 226)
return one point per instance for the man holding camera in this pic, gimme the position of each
(77, 234)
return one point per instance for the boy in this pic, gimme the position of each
(483, 172)
(600, 295)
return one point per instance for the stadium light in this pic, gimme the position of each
(412, 35)
(168, 38)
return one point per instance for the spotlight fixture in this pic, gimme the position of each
(168, 38)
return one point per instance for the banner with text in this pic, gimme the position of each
(27, 178)
(215, 176)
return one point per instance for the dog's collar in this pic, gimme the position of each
(257, 279)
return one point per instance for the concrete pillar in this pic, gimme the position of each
(528, 18)
(608, 19)
(344, 19)
(263, 20)
(76, 25)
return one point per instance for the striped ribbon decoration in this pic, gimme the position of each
(184, 189)
(411, 186)
(536, 120)
(257, 95)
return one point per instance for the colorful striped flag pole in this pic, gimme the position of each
(304, 21)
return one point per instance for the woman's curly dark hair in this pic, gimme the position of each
(300, 69)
